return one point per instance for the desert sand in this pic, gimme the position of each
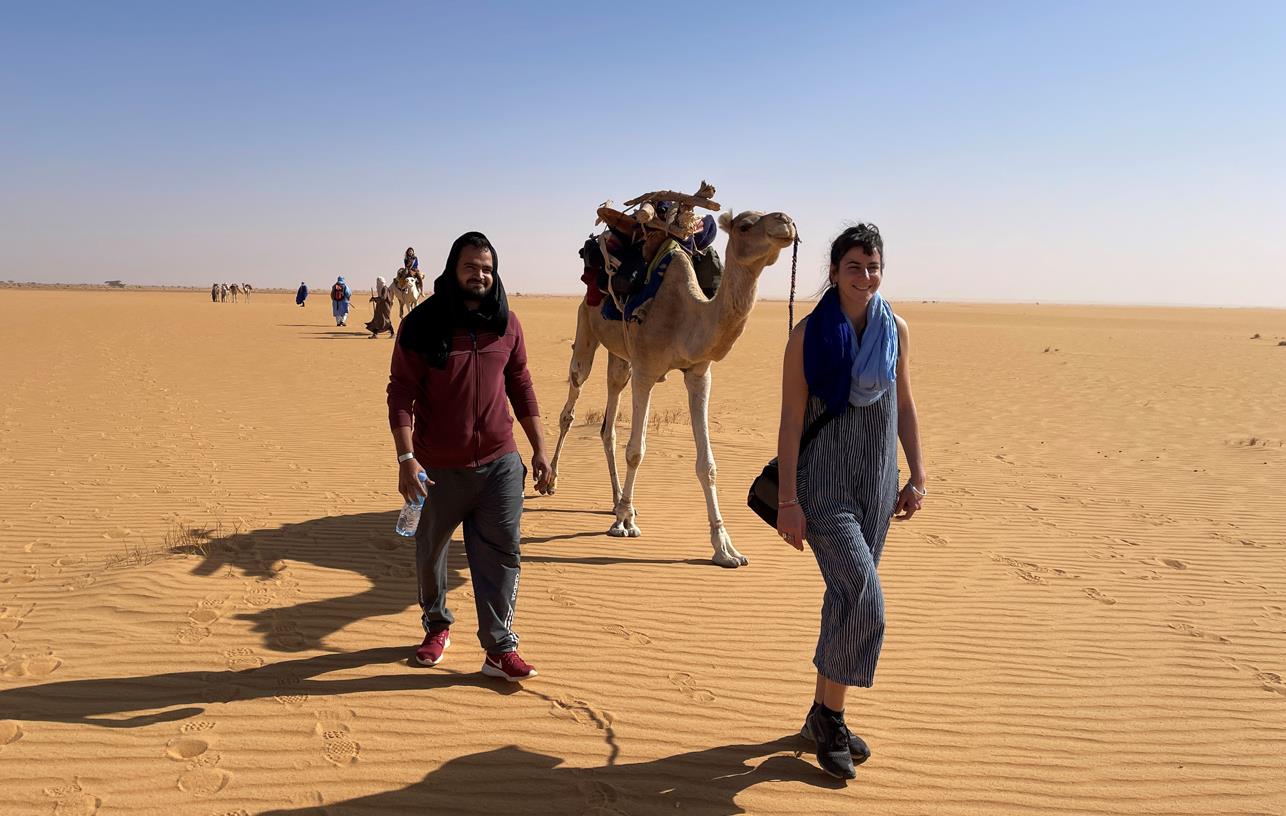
(204, 609)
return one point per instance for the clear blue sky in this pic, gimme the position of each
(1090, 152)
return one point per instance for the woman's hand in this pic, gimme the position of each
(791, 525)
(909, 503)
(408, 481)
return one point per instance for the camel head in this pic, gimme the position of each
(755, 239)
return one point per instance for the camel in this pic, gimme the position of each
(246, 289)
(223, 293)
(682, 330)
(407, 291)
(235, 289)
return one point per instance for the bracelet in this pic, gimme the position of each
(917, 491)
(405, 456)
(788, 503)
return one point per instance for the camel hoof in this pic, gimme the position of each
(730, 561)
(622, 530)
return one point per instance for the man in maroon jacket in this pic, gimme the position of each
(459, 358)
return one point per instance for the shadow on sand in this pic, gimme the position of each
(362, 543)
(515, 780)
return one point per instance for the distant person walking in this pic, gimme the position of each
(340, 299)
(459, 364)
(301, 294)
(383, 319)
(846, 379)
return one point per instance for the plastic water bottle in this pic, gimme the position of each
(409, 518)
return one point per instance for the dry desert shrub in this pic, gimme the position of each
(181, 539)
(657, 419)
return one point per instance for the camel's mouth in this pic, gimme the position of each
(782, 231)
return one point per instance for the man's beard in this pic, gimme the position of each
(472, 295)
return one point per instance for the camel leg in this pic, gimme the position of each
(634, 452)
(618, 376)
(697, 379)
(583, 351)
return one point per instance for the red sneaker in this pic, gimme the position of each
(507, 665)
(430, 651)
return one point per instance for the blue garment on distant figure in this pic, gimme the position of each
(301, 295)
(340, 307)
(838, 368)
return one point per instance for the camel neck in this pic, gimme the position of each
(732, 305)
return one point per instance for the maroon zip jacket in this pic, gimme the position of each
(461, 419)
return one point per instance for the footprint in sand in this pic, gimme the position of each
(12, 618)
(41, 665)
(1189, 600)
(186, 748)
(242, 659)
(10, 732)
(189, 635)
(935, 540)
(71, 800)
(288, 691)
(197, 726)
(559, 596)
(600, 799)
(686, 683)
(284, 636)
(1028, 576)
(1096, 595)
(206, 612)
(258, 595)
(565, 707)
(201, 777)
(338, 746)
(1192, 631)
(1272, 681)
(630, 636)
(1273, 620)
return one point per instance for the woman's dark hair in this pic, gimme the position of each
(866, 236)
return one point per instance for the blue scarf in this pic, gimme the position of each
(837, 369)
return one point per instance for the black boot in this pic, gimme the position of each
(828, 730)
(856, 745)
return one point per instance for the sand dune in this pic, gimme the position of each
(1089, 617)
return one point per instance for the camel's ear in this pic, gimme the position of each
(725, 220)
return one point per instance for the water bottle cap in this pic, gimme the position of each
(424, 477)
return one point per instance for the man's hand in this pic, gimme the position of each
(540, 471)
(408, 481)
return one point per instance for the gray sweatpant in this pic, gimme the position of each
(488, 501)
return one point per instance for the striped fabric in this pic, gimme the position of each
(848, 486)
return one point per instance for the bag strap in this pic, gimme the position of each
(814, 428)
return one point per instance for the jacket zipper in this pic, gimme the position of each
(476, 449)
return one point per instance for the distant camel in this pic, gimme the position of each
(247, 289)
(235, 289)
(223, 293)
(214, 293)
(407, 291)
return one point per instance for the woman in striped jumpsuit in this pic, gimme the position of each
(846, 368)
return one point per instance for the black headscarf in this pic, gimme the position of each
(429, 327)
